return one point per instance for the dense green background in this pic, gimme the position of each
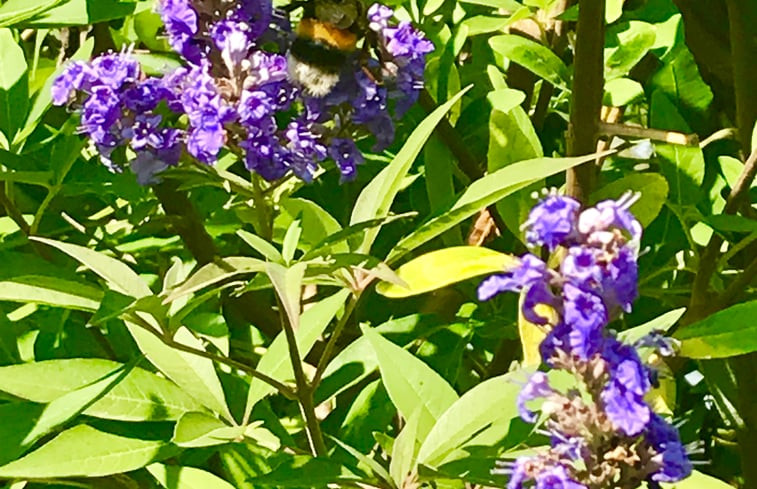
(147, 334)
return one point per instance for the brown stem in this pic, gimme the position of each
(190, 228)
(586, 98)
(736, 287)
(742, 15)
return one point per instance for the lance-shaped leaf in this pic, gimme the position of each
(412, 385)
(376, 198)
(444, 267)
(83, 451)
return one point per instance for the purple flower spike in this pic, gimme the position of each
(346, 156)
(181, 22)
(552, 221)
(529, 271)
(586, 315)
(597, 278)
(256, 13)
(556, 478)
(671, 457)
(73, 78)
(539, 294)
(114, 70)
(610, 214)
(536, 387)
(305, 150)
(378, 17)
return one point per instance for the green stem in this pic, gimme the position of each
(328, 351)
(283, 389)
(262, 209)
(304, 391)
(586, 97)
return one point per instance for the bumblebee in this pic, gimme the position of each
(326, 36)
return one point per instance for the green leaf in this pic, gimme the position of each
(698, 480)
(505, 99)
(51, 291)
(622, 91)
(140, 396)
(16, 11)
(177, 477)
(376, 198)
(378, 470)
(533, 56)
(510, 5)
(317, 224)
(661, 323)
(512, 138)
(440, 184)
(118, 275)
(203, 430)
(484, 24)
(613, 10)
(450, 265)
(305, 471)
(73, 403)
(83, 451)
(628, 43)
(491, 405)
(195, 374)
(405, 450)
(82, 12)
(275, 362)
(482, 193)
(261, 246)
(683, 166)
(41, 178)
(411, 384)
(14, 85)
(291, 241)
(726, 333)
(218, 271)
(679, 79)
(19, 418)
(288, 285)
(652, 186)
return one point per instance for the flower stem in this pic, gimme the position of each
(304, 391)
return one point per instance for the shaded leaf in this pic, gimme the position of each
(534, 57)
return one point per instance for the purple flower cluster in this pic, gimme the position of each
(118, 109)
(236, 92)
(610, 437)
